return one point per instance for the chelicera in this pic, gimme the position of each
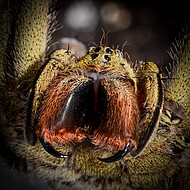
(104, 104)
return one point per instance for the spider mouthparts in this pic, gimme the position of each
(47, 146)
(119, 155)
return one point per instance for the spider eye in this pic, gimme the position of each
(107, 58)
(97, 49)
(94, 56)
(109, 51)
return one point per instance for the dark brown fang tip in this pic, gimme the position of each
(119, 155)
(47, 146)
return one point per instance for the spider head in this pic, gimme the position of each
(95, 99)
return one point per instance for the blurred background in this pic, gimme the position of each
(148, 28)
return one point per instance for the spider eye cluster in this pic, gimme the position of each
(105, 52)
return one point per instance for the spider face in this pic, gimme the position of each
(105, 56)
(96, 99)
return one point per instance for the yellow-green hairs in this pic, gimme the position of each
(163, 164)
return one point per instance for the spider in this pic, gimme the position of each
(97, 122)
(97, 99)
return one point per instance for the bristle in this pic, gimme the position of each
(93, 43)
(168, 72)
(178, 90)
(117, 47)
(123, 46)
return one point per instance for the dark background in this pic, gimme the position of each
(151, 30)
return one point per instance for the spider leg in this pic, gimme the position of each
(119, 155)
(47, 146)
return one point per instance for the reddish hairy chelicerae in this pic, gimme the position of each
(113, 115)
